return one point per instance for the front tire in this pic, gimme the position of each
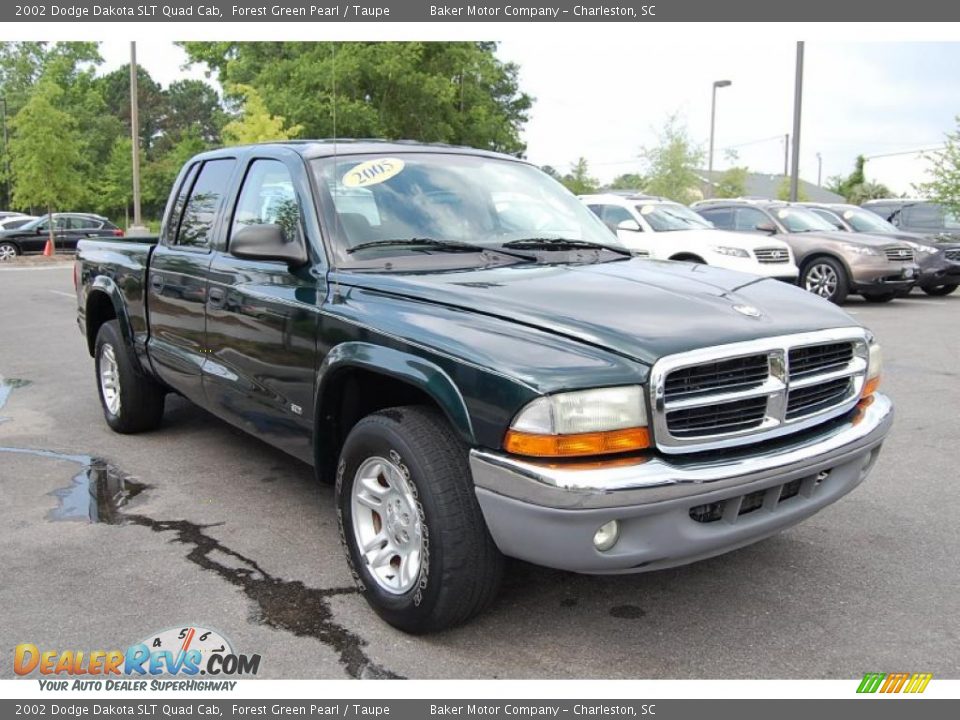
(939, 291)
(410, 523)
(131, 401)
(8, 251)
(827, 278)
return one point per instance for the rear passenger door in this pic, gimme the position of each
(177, 281)
(263, 315)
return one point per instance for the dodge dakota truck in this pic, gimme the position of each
(467, 353)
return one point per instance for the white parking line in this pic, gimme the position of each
(34, 267)
(61, 292)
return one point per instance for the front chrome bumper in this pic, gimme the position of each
(548, 513)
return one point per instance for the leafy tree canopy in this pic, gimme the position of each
(454, 92)
(628, 181)
(672, 164)
(732, 183)
(256, 124)
(944, 184)
(578, 180)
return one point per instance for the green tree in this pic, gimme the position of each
(855, 187)
(115, 181)
(151, 103)
(159, 174)
(944, 183)
(672, 164)
(783, 190)
(255, 123)
(628, 181)
(732, 183)
(578, 180)
(551, 171)
(193, 105)
(46, 152)
(454, 92)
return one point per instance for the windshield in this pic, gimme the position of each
(866, 221)
(437, 201)
(798, 220)
(664, 217)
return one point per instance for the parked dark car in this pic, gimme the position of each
(68, 230)
(463, 349)
(937, 258)
(832, 263)
(918, 216)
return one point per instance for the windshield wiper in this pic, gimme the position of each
(441, 245)
(561, 244)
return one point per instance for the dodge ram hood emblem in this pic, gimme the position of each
(748, 310)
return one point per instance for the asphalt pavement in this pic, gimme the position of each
(224, 532)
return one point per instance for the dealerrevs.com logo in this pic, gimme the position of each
(186, 652)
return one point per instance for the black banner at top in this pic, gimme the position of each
(451, 11)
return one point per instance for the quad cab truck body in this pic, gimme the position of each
(464, 350)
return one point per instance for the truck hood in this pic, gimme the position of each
(642, 309)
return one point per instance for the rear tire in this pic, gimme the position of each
(939, 291)
(827, 278)
(405, 494)
(131, 401)
(879, 297)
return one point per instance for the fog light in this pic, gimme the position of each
(606, 537)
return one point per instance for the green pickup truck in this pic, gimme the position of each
(466, 351)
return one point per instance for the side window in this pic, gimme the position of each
(829, 217)
(268, 197)
(720, 217)
(884, 211)
(613, 215)
(747, 219)
(61, 223)
(923, 216)
(203, 203)
(84, 223)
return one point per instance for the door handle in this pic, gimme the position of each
(215, 297)
(156, 282)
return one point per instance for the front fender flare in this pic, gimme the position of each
(406, 367)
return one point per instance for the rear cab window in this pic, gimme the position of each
(200, 208)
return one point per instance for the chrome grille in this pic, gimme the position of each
(772, 255)
(953, 255)
(722, 376)
(815, 359)
(899, 254)
(744, 392)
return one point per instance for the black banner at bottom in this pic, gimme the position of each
(872, 708)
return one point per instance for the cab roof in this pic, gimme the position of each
(328, 147)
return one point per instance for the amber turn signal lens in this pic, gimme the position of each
(870, 386)
(579, 445)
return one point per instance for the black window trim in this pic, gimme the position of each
(210, 246)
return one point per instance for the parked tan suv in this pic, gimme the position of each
(832, 264)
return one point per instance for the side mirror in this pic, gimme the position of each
(266, 242)
(629, 226)
(767, 227)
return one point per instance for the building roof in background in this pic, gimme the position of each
(767, 186)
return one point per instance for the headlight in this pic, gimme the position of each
(731, 251)
(874, 366)
(585, 422)
(861, 249)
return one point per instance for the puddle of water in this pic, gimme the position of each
(96, 494)
(7, 386)
(99, 493)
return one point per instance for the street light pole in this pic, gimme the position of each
(713, 119)
(797, 102)
(819, 168)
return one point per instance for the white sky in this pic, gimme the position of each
(606, 100)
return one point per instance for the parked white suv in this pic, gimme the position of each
(666, 230)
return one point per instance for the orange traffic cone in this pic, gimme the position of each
(48, 249)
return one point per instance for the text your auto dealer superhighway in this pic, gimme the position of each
(544, 12)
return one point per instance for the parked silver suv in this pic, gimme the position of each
(832, 264)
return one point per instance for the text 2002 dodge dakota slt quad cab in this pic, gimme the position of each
(463, 348)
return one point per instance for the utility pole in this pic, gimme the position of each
(137, 228)
(819, 169)
(786, 154)
(6, 157)
(797, 102)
